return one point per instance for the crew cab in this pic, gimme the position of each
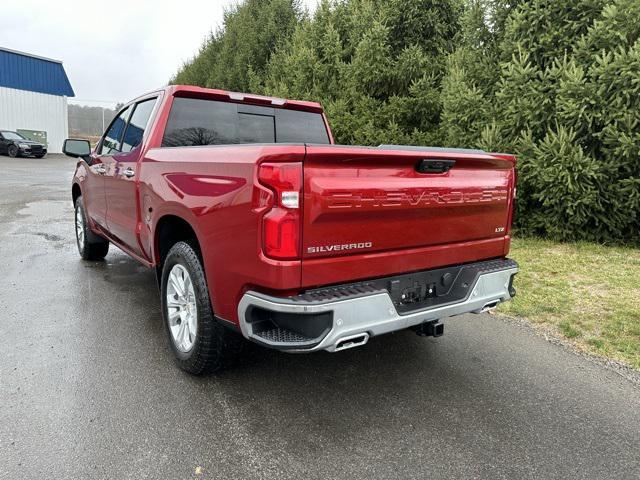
(259, 226)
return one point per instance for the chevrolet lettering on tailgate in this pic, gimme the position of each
(415, 198)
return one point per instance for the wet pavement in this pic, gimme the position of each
(88, 388)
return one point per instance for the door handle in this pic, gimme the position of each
(128, 172)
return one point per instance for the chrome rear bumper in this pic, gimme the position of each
(349, 322)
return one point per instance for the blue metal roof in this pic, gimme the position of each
(36, 74)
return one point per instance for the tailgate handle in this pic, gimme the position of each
(434, 166)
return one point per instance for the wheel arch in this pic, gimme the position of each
(169, 230)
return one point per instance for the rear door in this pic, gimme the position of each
(382, 201)
(121, 178)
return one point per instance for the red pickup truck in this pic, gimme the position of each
(256, 223)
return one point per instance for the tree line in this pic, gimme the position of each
(90, 121)
(556, 82)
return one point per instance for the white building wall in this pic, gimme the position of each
(35, 111)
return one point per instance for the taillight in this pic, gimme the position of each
(281, 224)
(512, 211)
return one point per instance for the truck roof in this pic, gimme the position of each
(238, 97)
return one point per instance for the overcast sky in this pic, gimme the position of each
(112, 50)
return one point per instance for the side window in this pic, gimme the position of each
(137, 124)
(200, 122)
(111, 142)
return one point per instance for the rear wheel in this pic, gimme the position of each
(13, 151)
(90, 245)
(199, 342)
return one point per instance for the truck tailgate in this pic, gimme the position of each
(376, 211)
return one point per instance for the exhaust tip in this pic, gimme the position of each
(351, 341)
(490, 306)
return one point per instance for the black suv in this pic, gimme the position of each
(15, 145)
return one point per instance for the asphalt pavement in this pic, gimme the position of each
(88, 388)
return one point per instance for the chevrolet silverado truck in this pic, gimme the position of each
(258, 226)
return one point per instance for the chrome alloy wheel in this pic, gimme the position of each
(182, 311)
(79, 228)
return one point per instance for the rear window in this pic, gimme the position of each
(209, 122)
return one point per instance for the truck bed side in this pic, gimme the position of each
(212, 189)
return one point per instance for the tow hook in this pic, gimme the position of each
(429, 329)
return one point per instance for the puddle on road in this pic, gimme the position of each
(48, 210)
(51, 220)
(48, 236)
(44, 224)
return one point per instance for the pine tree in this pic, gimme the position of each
(378, 81)
(555, 82)
(465, 108)
(234, 56)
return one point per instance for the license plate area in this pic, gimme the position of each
(417, 291)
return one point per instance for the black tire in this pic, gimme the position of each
(13, 151)
(90, 245)
(39, 156)
(214, 346)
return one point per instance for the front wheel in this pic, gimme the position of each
(13, 151)
(90, 245)
(40, 156)
(199, 342)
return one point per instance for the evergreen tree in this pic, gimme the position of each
(375, 65)
(232, 57)
(555, 82)
(548, 29)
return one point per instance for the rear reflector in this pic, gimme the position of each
(281, 224)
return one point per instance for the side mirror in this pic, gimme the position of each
(77, 148)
